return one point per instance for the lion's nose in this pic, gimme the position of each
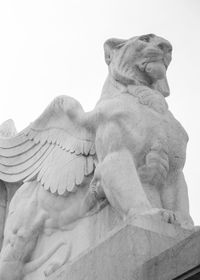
(165, 47)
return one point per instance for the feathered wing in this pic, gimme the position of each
(57, 149)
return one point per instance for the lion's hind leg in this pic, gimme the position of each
(23, 225)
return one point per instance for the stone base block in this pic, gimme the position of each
(140, 249)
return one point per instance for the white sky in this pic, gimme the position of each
(48, 48)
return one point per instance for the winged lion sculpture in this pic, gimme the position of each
(128, 152)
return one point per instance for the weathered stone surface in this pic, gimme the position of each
(134, 253)
(173, 262)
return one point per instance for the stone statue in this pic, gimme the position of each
(128, 152)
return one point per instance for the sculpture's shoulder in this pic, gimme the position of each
(120, 106)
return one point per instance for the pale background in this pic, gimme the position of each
(48, 48)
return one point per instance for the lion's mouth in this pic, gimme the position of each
(155, 70)
(153, 59)
(154, 55)
(154, 65)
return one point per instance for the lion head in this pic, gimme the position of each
(141, 60)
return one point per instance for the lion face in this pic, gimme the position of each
(139, 60)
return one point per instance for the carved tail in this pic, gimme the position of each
(37, 263)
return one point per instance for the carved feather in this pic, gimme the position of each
(57, 149)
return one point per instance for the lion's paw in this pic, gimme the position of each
(165, 215)
(169, 217)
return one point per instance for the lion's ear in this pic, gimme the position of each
(110, 45)
(162, 86)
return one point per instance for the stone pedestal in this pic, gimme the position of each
(140, 249)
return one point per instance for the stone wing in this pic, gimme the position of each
(57, 149)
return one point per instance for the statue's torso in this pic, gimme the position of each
(140, 129)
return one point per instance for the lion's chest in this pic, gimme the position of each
(124, 122)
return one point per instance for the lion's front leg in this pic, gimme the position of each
(153, 174)
(117, 176)
(175, 198)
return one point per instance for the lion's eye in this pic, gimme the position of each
(144, 38)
